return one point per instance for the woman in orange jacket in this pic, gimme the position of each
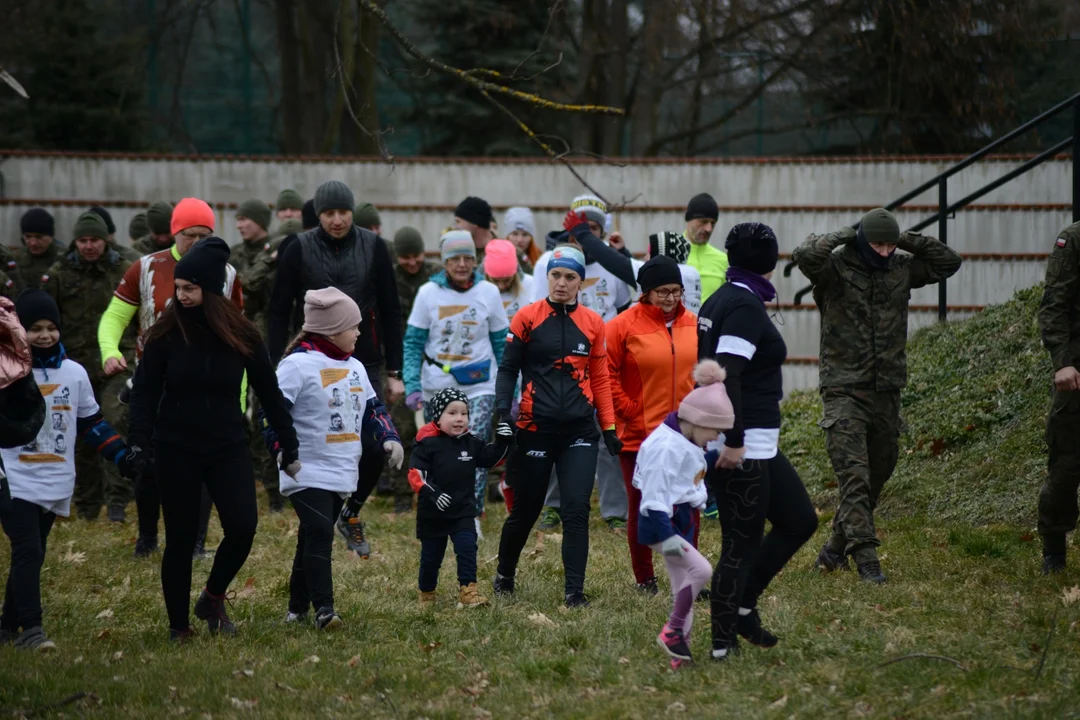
(652, 349)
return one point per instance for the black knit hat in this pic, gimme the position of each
(752, 246)
(702, 206)
(204, 265)
(33, 305)
(104, 215)
(308, 215)
(672, 244)
(39, 221)
(442, 399)
(474, 210)
(660, 270)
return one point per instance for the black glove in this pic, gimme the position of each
(504, 431)
(611, 439)
(134, 464)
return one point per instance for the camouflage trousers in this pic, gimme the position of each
(1057, 498)
(862, 436)
(405, 423)
(96, 481)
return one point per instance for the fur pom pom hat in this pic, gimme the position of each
(708, 405)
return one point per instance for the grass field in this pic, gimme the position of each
(972, 595)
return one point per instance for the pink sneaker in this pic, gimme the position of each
(674, 643)
(676, 663)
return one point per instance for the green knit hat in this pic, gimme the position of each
(289, 199)
(90, 224)
(257, 210)
(366, 215)
(138, 227)
(408, 241)
(159, 218)
(880, 226)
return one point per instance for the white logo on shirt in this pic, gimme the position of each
(536, 454)
(465, 456)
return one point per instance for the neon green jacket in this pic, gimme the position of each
(712, 264)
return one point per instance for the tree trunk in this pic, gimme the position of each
(365, 103)
(658, 15)
(618, 43)
(288, 46)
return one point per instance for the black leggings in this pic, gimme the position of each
(148, 507)
(745, 498)
(311, 582)
(529, 471)
(27, 526)
(229, 478)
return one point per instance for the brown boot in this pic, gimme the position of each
(428, 599)
(468, 596)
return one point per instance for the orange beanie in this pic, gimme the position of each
(191, 212)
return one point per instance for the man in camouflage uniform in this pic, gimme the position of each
(159, 221)
(39, 251)
(82, 282)
(862, 289)
(411, 270)
(289, 205)
(252, 220)
(128, 253)
(1059, 320)
(137, 228)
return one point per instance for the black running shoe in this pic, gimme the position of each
(749, 627)
(145, 545)
(649, 587)
(728, 650)
(327, 619)
(1053, 564)
(503, 585)
(829, 560)
(117, 514)
(212, 609)
(674, 643)
(576, 600)
(277, 501)
(870, 571)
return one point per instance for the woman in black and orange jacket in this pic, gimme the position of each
(558, 348)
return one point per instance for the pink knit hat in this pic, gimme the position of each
(191, 212)
(500, 259)
(708, 405)
(329, 311)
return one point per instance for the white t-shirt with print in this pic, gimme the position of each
(43, 472)
(459, 326)
(601, 292)
(691, 280)
(329, 398)
(513, 303)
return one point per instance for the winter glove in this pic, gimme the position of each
(414, 401)
(133, 463)
(675, 546)
(573, 219)
(504, 431)
(442, 502)
(611, 439)
(396, 452)
(289, 462)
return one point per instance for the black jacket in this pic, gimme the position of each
(188, 395)
(22, 413)
(360, 266)
(440, 464)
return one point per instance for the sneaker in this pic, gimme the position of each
(576, 600)
(676, 663)
(117, 514)
(479, 532)
(721, 651)
(503, 585)
(88, 515)
(352, 529)
(616, 525)
(549, 518)
(145, 545)
(649, 587)
(673, 642)
(870, 571)
(749, 627)
(327, 619)
(469, 596)
(1053, 564)
(277, 501)
(212, 609)
(298, 618)
(428, 599)
(829, 560)
(403, 504)
(711, 513)
(34, 639)
(182, 636)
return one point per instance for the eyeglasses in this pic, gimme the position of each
(665, 294)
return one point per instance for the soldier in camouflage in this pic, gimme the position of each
(39, 251)
(1059, 321)
(159, 222)
(137, 228)
(411, 270)
(289, 205)
(862, 289)
(82, 283)
(128, 253)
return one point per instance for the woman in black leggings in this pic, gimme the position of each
(186, 401)
(750, 477)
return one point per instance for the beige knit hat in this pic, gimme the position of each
(329, 311)
(708, 404)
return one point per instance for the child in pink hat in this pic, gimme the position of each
(670, 472)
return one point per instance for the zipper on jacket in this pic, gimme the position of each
(671, 339)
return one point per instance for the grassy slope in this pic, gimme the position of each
(959, 588)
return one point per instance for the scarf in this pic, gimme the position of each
(757, 283)
(327, 348)
(48, 358)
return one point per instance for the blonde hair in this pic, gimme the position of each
(515, 286)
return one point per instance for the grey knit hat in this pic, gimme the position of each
(333, 195)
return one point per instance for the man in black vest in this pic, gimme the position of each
(356, 261)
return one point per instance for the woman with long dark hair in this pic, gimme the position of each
(186, 403)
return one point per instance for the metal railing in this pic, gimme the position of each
(941, 181)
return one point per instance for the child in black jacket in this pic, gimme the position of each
(443, 473)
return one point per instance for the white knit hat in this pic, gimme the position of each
(519, 218)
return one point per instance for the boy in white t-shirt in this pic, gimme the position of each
(332, 403)
(41, 474)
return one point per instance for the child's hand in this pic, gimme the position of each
(396, 453)
(675, 546)
(442, 502)
(731, 458)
